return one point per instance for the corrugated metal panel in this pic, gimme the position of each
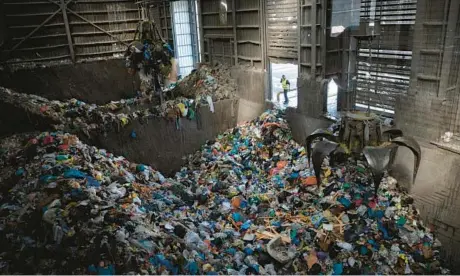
(282, 36)
(38, 29)
(49, 42)
(312, 32)
(381, 80)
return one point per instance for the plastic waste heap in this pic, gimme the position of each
(246, 203)
(202, 87)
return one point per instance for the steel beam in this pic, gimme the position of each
(67, 29)
(96, 26)
(235, 39)
(34, 31)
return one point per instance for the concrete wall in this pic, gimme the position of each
(311, 96)
(14, 120)
(303, 125)
(437, 194)
(94, 82)
(161, 145)
(251, 91)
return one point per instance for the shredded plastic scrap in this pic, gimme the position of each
(246, 203)
(201, 88)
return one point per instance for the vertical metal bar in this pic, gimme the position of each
(173, 29)
(67, 30)
(166, 21)
(235, 41)
(299, 40)
(201, 33)
(223, 52)
(194, 39)
(324, 36)
(211, 50)
(313, 39)
(443, 45)
(263, 34)
(449, 46)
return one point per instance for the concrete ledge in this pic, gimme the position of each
(436, 192)
(14, 120)
(160, 144)
(93, 82)
(303, 125)
(249, 110)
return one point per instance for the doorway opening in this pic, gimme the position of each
(332, 92)
(290, 71)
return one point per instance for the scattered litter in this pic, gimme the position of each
(74, 115)
(240, 205)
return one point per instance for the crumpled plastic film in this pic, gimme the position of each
(201, 88)
(246, 203)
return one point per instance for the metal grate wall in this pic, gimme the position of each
(160, 12)
(387, 76)
(42, 31)
(238, 41)
(282, 36)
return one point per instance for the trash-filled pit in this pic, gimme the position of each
(198, 108)
(246, 203)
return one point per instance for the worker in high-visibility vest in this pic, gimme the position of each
(286, 85)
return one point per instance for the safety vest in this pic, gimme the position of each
(284, 84)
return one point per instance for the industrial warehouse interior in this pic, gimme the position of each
(229, 137)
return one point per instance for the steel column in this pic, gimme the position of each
(67, 29)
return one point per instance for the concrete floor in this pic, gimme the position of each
(291, 73)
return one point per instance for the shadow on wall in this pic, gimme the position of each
(302, 125)
(160, 144)
(22, 121)
(96, 82)
(436, 192)
(251, 92)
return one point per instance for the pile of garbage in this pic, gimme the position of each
(246, 203)
(202, 87)
(205, 81)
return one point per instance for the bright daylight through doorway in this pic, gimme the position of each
(291, 73)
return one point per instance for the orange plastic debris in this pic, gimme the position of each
(271, 124)
(281, 164)
(273, 171)
(236, 202)
(309, 181)
(311, 259)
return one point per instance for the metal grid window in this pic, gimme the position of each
(381, 81)
(185, 33)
